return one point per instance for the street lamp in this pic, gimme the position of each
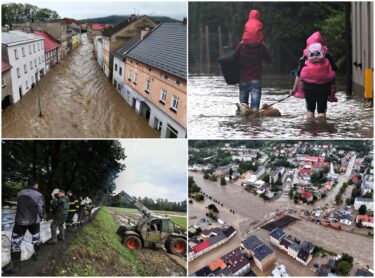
(38, 94)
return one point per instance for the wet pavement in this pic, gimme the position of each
(77, 101)
(211, 110)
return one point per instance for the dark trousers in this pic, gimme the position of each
(317, 97)
(57, 224)
(17, 237)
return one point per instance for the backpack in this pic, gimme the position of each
(315, 53)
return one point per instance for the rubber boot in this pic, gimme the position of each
(36, 252)
(15, 262)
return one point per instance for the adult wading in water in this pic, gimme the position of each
(252, 53)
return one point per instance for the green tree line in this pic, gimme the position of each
(13, 13)
(158, 204)
(286, 26)
(86, 166)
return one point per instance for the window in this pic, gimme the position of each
(34, 47)
(40, 60)
(174, 103)
(163, 96)
(23, 52)
(25, 68)
(18, 73)
(120, 70)
(29, 49)
(16, 54)
(171, 132)
(178, 82)
(3, 82)
(31, 65)
(135, 78)
(148, 86)
(130, 75)
(27, 84)
(38, 47)
(119, 87)
(35, 62)
(116, 67)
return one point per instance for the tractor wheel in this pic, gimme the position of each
(177, 246)
(132, 242)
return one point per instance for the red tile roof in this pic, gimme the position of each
(96, 26)
(5, 65)
(201, 246)
(49, 42)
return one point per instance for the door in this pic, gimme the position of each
(20, 91)
(154, 230)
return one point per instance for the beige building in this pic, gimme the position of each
(264, 257)
(114, 37)
(155, 79)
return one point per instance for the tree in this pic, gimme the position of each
(213, 208)
(222, 181)
(265, 177)
(344, 268)
(362, 209)
(199, 197)
(338, 199)
(206, 176)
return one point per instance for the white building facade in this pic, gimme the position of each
(25, 53)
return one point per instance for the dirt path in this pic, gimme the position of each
(49, 259)
(158, 262)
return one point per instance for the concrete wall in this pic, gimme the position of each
(362, 42)
(157, 83)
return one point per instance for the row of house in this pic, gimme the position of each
(302, 253)
(147, 65)
(28, 56)
(264, 257)
(234, 263)
(211, 239)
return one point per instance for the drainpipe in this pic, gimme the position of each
(348, 47)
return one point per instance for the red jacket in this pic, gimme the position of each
(253, 33)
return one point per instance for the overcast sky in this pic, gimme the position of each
(155, 168)
(83, 9)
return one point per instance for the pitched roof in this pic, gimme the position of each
(108, 32)
(96, 26)
(201, 246)
(277, 233)
(219, 263)
(215, 239)
(5, 65)
(17, 37)
(252, 242)
(363, 272)
(259, 249)
(236, 260)
(121, 52)
(262, 252)
(303, 255)
(229, 231)
(164, 48)
(49, 42)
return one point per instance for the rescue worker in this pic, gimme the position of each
(30, 212)
(81, 210)
(60, 207)
(73, 209)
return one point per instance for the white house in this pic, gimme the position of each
(25, 53)
(118, 78)
(364, 201)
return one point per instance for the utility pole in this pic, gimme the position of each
(38, 95)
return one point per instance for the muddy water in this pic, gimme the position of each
(77, 101)
(211, 110)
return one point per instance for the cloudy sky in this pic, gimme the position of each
(155, 168)
(82, 9)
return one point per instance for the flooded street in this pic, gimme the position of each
(212, 110)
(77, 100)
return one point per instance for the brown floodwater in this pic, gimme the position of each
(77, 101)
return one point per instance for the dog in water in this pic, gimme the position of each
(266, 111)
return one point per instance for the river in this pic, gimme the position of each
(211, 110)
(77, 101)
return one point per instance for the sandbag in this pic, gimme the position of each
(230, 67)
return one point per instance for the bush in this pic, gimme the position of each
(206, 176)
(343, 268)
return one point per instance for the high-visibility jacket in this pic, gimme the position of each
(73, 204)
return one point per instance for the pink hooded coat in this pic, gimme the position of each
(317, 73)
(253, 33)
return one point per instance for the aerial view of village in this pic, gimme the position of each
(280, 208)
(116, 70)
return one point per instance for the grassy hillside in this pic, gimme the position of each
(98, 246)
(179, 220)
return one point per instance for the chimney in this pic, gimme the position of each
(144, 32)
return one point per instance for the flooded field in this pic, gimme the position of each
(77, 101)
(211, 110)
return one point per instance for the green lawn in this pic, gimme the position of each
(179, 220)
(98, 246)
